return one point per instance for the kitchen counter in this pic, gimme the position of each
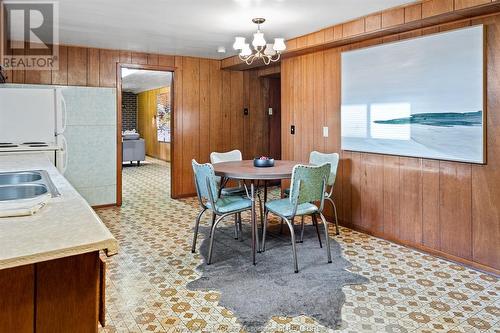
(66, 226)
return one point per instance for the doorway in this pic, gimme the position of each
(145, 122)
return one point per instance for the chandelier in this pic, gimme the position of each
(261, 50)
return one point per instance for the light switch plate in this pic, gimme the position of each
(325, 132)
(270, 111)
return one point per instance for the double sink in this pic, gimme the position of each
(21, 185)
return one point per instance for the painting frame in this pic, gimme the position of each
(484, 108)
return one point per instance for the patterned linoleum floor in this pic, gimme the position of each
(408, 291)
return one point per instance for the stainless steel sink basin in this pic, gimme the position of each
(21, 191)
(22, 185)
(11, 178)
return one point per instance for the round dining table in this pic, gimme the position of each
(246, 171)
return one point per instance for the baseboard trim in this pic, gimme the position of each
(427, 250)
(105, 206)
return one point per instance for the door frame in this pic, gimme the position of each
(119, 151)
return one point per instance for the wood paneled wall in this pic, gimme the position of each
(208, 102)
(146, 123)
(209, 112)
(448, 208)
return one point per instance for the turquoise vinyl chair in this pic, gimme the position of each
(318, 158)
(308, 186)
(208, 197)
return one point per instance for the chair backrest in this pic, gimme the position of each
(233, 155)
(318, 158)
(308, 183)
(204, 177)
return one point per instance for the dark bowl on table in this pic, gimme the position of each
(263, 163)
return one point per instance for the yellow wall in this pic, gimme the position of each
(146, 122)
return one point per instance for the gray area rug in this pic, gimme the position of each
(256, 293)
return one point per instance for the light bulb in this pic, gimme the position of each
(239, 42)
(246, 51)
(279, 44)
(258, 39)
(269, 51)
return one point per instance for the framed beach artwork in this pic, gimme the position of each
(422, 97)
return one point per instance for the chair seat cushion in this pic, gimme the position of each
(284, 207)
(231, 204)
(233, 191)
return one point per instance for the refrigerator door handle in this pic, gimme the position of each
(64, 152)
(63, 114)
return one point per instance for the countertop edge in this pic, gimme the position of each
(110, 246)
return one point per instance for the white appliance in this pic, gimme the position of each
(34, 119)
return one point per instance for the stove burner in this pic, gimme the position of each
(34, 143)
(8, 145)
(38, 145)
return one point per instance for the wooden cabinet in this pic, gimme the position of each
(62, 295)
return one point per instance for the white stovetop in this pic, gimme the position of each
(66, 226)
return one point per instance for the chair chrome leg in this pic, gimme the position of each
(212, 236)
(263, 249)
(325, 223)
(337, 229)
(292, 234)
(315, 222)
(301, 230)
(260, 211)
(236, 226)
(213, 222)
(240, 227)
(197, 223)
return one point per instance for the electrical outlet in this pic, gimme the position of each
(325, 132)
(270, 111)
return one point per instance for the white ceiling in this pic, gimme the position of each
(198, 27)
(137, 81)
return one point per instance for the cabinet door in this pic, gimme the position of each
(67, 294)
(17, 286)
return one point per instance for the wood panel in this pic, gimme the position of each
(373, 22)
(17, 300)
(190, 120)
(77, 66)
(485, 178)
(430, 204)
(107, 67)
(455, 217)
(391, 196)
(393, 17)
(93, 67)
(60, 76)
(372, 203)
(353, 28)
(436, 7)
(461, 4)
(413, 13)
(146, 116)
(67, 294)
(410, 180)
